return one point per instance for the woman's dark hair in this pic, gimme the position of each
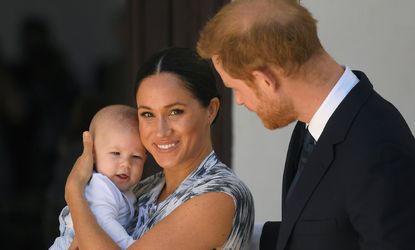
(196, 73)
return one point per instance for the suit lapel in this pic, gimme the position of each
(313, 172)
(291, 162)
(335, 131)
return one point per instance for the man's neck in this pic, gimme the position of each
(310, 90)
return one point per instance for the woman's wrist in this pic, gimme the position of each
(73, 188)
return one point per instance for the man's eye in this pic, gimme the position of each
(176, 112)
(115, 153)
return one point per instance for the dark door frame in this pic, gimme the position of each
(156, 24)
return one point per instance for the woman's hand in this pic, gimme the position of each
(88, 234)
(74, 244)
(82, 170)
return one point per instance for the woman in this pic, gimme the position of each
(196, 202)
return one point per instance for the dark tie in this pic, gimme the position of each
(306, 150)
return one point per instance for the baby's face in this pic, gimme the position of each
(119, 155)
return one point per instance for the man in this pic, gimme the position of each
(349, 177)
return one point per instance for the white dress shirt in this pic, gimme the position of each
(340, 90)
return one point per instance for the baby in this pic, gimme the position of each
(119, 158)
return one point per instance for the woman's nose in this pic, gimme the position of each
(163, 128)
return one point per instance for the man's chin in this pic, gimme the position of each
(272, 125)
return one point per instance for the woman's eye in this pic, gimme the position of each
(176, 112)
(115, 153)
(146, 114)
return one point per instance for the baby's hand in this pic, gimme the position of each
(82, 170)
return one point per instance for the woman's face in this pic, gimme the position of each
(174, 126)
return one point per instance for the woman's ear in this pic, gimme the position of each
(213, 109)
(265, 78)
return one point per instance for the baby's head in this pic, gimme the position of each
(118, 152)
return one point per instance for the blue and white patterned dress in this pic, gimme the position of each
(211, 176)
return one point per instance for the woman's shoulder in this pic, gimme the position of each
(220, 178)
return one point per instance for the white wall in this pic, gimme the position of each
(375, 36)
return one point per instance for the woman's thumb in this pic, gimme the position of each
(87, 141)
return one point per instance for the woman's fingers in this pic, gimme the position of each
(82, 169)
(83, 166)
(88, 147)
(74, 244)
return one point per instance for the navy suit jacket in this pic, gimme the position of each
(357, 190)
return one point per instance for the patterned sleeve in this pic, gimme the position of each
(226, 182)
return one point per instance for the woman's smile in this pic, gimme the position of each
(166, 147)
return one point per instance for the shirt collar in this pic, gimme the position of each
(340, 90)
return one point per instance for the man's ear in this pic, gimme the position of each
(266, 78)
